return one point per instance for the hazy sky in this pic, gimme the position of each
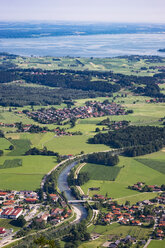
(84, 10)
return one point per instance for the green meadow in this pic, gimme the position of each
(157, 244)
(20, 147)
(156, 162)
(29, 175)
(131, 172)
(101, 172)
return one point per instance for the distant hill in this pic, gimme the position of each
(162, 50)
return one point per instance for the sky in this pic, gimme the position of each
(83, 10)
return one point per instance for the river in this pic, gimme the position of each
(63, 186)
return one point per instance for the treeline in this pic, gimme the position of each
(104, 158)
(152, 90)
(137, 139)
(44, 152)
(142, 150)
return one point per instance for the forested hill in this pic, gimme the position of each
(68, 84)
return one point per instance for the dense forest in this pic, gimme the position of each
(137, 139)
(18, 96)
(104, 158)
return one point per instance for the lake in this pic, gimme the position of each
(102, 45)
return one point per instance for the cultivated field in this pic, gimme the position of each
(131, 172)
(117, 65)
(101, 172)
(157, 244)
(29, 175)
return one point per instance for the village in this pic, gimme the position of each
(51, 209)
(91, 109)
(147, 214)
(27, 205)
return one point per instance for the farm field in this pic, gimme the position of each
(157, 244)
(29, 175)
(20, 147)
(101, 172)
(73, 145)
(132, 172)
(4, 143)
(114, 230)
(117, 65)
(154, 162)
(11, 163)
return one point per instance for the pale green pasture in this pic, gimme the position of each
(73, 145)
(157, 244)
(131, 173)
(4, 144)
(29, 175)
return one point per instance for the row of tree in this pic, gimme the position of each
(44, 152)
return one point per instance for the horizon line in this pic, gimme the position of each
(83, 21)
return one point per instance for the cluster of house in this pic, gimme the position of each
(160, 231)
(122, 242)
(92, 109)
(11, 202)
(56, 215)
(2, 124)
(142, 187)
(99, 197)
(26, 203)
(123, 214)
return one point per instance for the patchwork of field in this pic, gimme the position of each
(127, 66)
(20, 147)
(130, 173)
(29, 175)
(11, 163)
(114, 230)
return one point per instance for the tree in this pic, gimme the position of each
(127, 203)
(20, 221)
(11, 147)
(97, 130)
(1, 152)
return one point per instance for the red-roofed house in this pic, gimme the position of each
(6, 213)
(16, 213)
(2, 230)
(31, 200)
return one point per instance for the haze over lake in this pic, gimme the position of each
(85, 41)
